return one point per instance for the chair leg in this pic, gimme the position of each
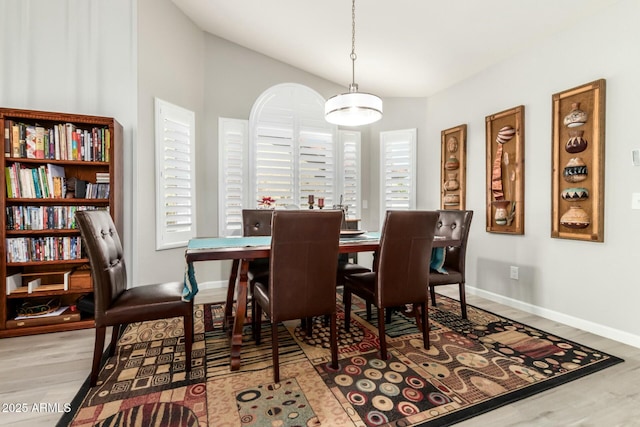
(432, 291)
(115, 335)
(388, 314)
(98, 348)
(258, 332)
(188, 339)
(381, 334)
(425, 326)
(368, 312)
(274, 352)
(309, 326)
(346, 300)
(255, 320)
(334, 340)
(463, 300)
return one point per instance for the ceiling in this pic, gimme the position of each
(404, 48)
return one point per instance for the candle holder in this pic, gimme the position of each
(320, 202)
(311, 201)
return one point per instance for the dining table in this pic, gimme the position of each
(241, 251)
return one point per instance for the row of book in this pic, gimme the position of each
(49, 181)
(50, 248)
(42, 182)
(63, 141)
(44, 217)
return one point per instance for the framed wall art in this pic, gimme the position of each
(453, 167)
(578, 163)
(505, 171)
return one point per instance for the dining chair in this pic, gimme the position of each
(256, 222)
(302, 280)
(402, 274)
(345, 266)
(114, 304)
(452, 224)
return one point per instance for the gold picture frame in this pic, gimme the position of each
(453, 167)
(577, 184)
(505, 171)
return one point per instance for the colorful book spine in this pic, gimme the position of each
(39, 150)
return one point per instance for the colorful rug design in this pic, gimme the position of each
(471, 367)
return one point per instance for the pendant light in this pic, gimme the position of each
(353, 108)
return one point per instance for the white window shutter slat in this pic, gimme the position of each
(350, 172)
(397, 170)
(232, 179)
(175, 175)
(293, 148)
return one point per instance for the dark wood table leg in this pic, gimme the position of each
(241, 313)
(231, 288)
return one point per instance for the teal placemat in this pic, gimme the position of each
(229, 242)
(243, 242)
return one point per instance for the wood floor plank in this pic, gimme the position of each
(51, 368)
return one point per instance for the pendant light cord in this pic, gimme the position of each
(353, 45)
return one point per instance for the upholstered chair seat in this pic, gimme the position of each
(114, 304)
(302, 279)
(401, 275)
(452, 224)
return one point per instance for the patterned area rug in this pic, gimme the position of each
(472, 366)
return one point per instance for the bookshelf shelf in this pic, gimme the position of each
(52, 201)
(56, 263)
(48, 159)
(46, 232)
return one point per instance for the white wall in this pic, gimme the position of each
(171, 67)
(590, 285)
(76, 57)
(103, 69)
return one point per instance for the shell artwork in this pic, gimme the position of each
(575, 170)
(575, 194)
(452, 163)
(575, 217)
(576, 116)
(576, 143)
(452, 144)
(505, 134)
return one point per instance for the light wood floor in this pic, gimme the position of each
(50, 369)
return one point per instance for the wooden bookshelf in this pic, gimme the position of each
(40, 239)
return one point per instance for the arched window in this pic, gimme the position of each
(287, 151)
(292, 148)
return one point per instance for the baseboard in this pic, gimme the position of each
(575, 322)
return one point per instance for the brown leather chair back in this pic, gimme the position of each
(303, 263)
(405, 248)
(455, 224)
(256, 222)
(102, 244)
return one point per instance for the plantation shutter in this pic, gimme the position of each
(232, 175)
(175, 175)
(317, 156)
(397, 170)
(350, 172)
(293, 149)
(273, 156)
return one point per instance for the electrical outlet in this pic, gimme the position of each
(635, 201)
(514, 272)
